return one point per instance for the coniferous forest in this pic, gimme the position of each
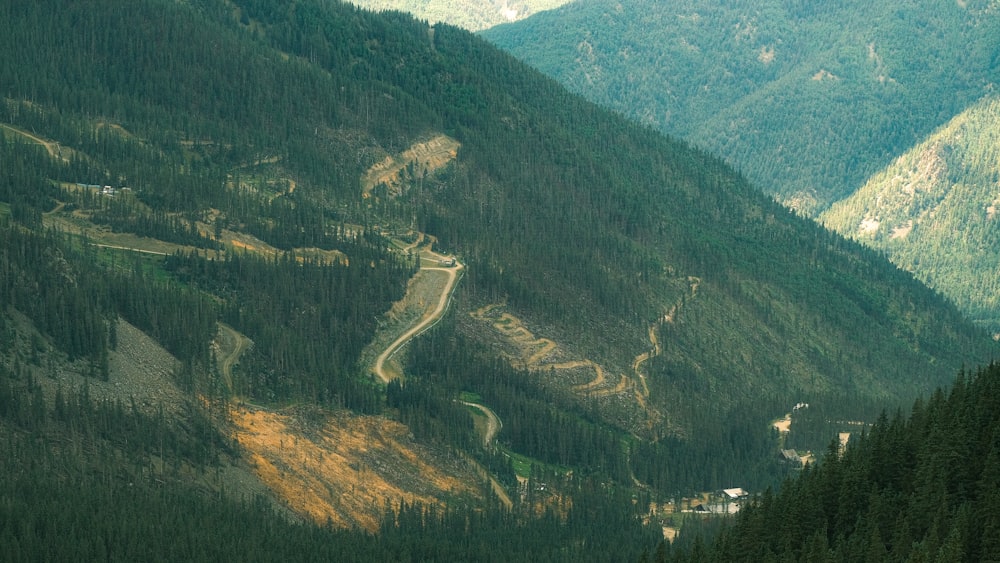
(191, 241)
(808, 100)
(917, 486)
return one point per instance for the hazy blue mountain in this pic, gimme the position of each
(808, 100)
(467, 14)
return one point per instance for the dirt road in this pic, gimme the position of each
(231, 345)
(428, 319)
(433, 261)
(140, 250)
(52, 147)
(493, 424)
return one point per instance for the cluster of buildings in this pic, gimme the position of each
(108, 191)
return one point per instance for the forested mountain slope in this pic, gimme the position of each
(806, 99)
(632, 310)
(467, 14)
(917, 487)
(936, 211)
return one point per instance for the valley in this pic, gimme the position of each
(297, 280)
(315, 461)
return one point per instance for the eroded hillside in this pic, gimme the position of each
(345, 469)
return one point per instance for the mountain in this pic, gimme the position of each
(917, 487)
(934, 211)
(466, 14)
(311, 248)
(807, 100)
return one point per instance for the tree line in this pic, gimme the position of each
(89, 478)
(915, 487)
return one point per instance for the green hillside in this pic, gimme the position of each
(934, 211)
(466, 14)
(807, 100)
(270, 189)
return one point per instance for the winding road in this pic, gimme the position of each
(428, 319)
(452, 267)
(493, 424)
(51, 146)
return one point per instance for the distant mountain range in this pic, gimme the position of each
(936, 211)
(467, 14)
(808, 100)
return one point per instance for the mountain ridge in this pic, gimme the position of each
(934, 211)
(807, 102)
(584, 229)
(467, 15)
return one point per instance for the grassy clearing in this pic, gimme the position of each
(470, 397)
(522, 464)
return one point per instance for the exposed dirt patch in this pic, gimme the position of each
(869, 226)
(766, 54)
(419, 159)
(843, 438)
(902, 231)
(783, 425)
(344, 468)
(321, 256)
(824, 74)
